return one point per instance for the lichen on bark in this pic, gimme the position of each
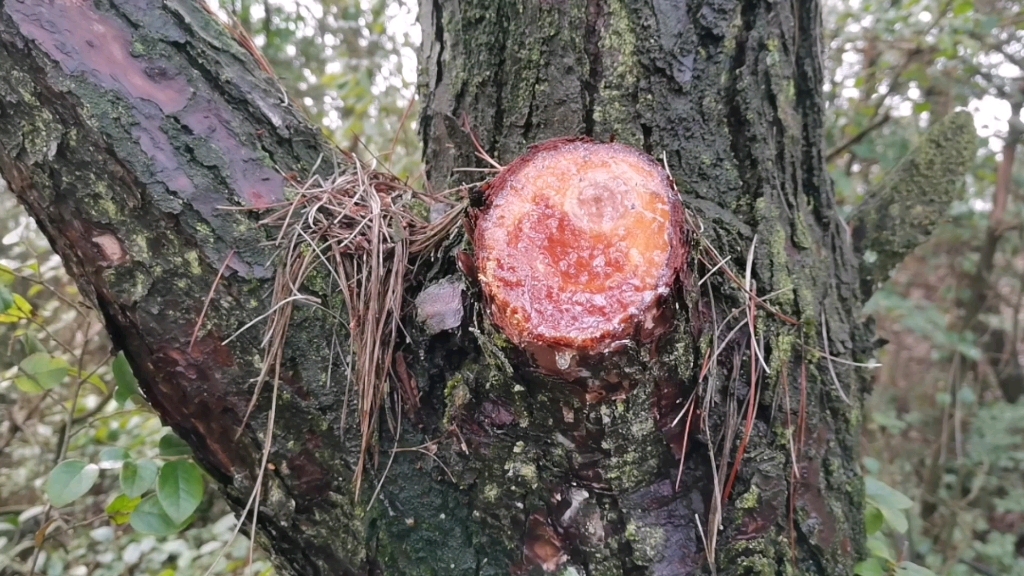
(913, 198)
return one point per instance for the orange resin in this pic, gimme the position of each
(579, 243)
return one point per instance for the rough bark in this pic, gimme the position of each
(728, 93)
(123, 128)
(126, 124)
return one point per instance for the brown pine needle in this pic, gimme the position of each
(802, 419)
(686, 440)
(357, 227)
(828, 358)
(209, 297)
(480, 152)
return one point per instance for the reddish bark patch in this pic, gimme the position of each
(408, 388)
(757, 523)
(254, 182)
(210, 349)
(111, 250)
(820, 523)
(578, 247)
(310, 480)
(86, 42)
(156, 145)
(543, 546)
(191, 398)
(89, 43)
(666, 405)
(496, 414)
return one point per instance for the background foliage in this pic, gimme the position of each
(84, 462)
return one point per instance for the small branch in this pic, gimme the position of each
(19, 426)
(856, 138)
(62, 452)
(996, 221)
(913, 199)
(877, 119)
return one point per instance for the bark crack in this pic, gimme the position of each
(736, 117)
(498, 124)
(439, 38)
(595, 72)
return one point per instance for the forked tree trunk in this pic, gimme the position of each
(125, 126)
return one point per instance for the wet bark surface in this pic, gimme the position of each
(126, 139)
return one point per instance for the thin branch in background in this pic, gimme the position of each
(978, 283)
(877, 104)
(856, 138)
(76, 306)
(20, 426)
(62, 452)
(99, 406)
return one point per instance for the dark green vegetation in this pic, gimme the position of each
(125, 169)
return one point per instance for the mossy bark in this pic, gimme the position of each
(127, 125)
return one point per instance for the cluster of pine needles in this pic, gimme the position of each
(359, 227)
(742, 329)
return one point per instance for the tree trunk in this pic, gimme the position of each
(126, 126)
(729, 95)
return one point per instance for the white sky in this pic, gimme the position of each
(991, 115)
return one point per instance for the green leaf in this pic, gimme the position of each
(963, 7)
(70, 480)
(27, 385)
(911, 569)
(120, 510)
(870, 567)
(6, 298)
(93, 379)
(137, 476)
(40, 372)
(885, 496)
(896, 519)
(922, 107)
(7, 277)
(873, 519)
(16, 312)
(127, 385)
(180, 489)
(149, 517)
(32, 344)
(114, 454)
(871, 465)
(171, 446)
(878, 547)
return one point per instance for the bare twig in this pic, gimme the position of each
(62, 452)
(856, 138)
